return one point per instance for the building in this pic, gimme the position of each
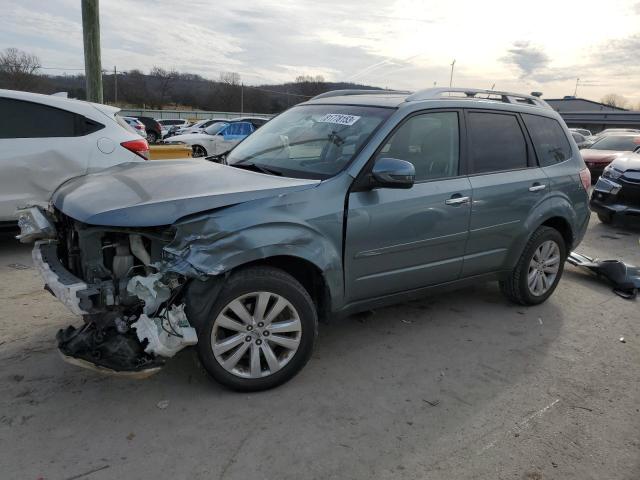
(575, 104)
(594, 116)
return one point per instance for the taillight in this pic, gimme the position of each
(139, 147)
(585, 178)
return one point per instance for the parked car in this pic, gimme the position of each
(580, 140)
(46, 140)
(168, 123)
(582, 131)
(617, 191)
(152, 127)
(215, 139)
(607, 149)
(137, 126)
(198, 127)
(610, 131)
(347, 202)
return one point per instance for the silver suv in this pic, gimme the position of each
(350, 201)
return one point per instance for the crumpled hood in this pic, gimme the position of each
(159, 193)
(188, 137)
(600, 156)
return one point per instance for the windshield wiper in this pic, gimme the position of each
(257, 168)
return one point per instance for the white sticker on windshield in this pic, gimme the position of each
(339, 118)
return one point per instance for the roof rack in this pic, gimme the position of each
(471, 93)
(340, 93)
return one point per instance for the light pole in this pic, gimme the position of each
(451, 77)
(575, 92)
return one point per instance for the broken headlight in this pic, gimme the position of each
(34, 225)
(611, 172)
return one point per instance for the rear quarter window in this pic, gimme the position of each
(549, 140)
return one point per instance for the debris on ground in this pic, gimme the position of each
(18, 266)
(622, 340)
(162, 404)
(625, 278)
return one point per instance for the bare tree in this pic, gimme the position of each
(231, 78)
(615, 100)
(164, 80)
(18, 69)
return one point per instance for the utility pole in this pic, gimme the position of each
(115, 85)
(241, 98)
(575, 92)
(451, 77)
(91, 36)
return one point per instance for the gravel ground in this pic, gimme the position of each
(460, 386)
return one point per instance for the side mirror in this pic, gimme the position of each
(392, 173)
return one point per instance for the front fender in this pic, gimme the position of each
(210, 246)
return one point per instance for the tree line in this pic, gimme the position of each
(166, 89)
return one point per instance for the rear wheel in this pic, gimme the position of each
(152, 137)
(538, 270)
(198, 151)
(605, 217)
(260, 330)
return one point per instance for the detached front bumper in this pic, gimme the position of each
(66, 287)
(612, 197)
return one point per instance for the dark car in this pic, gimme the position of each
(152, 127)
(618, 189)
(607, 149)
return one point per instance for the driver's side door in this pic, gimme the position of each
(398, 240)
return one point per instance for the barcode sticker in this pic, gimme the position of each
(339, 119)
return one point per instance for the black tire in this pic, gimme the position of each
(515, 286)
(152, 137)
(605, 218)
(259, 279)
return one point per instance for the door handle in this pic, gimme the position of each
(536, 187)
(457, 200)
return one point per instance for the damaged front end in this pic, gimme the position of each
(115, 278)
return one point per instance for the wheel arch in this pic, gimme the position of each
(555, 212)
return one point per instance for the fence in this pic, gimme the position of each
(187, 114)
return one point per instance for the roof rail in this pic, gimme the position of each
(340, 93)
(507, 97)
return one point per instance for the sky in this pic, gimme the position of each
(541, 45)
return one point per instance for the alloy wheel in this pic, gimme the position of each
(198, 151)
(256, 334)
(543, 268)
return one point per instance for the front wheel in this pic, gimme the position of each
(198, 151)
(605, 218)
(152, 137)
(260, 330)
(538, 270)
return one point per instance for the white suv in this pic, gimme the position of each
(46, 140)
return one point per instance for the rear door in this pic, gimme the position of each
(40, 148)
(506, 185)
(398, 240)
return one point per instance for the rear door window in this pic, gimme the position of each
(549, 140)
(22, 119)
(496, 142)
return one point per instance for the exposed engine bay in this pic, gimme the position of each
(132, 307)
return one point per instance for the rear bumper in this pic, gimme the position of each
(60, 282)
(606, 199)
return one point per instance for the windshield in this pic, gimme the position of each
(620, 143)
(310, 141)
(215, 127)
